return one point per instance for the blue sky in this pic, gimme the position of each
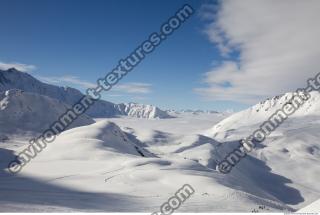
(82, 41)
(75, 42)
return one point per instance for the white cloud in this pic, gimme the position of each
(133, 88)
(277, 43)
(129, 88)
(67, 80)
(115, 95)
(19, 66)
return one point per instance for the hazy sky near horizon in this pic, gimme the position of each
(228, 55)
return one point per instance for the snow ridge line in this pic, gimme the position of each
(300, 97)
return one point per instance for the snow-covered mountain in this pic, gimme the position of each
(142, 111)
(103, 140)
(32, 112)
(263, 110)
(291, 151)
(106, 167)
(14, 79)
(114, 164)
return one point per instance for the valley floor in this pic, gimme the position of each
(139, 165)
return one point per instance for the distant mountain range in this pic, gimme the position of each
(14, 79)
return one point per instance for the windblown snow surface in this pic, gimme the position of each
(312, 208)
(129, 165)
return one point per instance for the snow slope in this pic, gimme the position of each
(128, 164)
(312, 208)
(276, 170)
(260, 112)
(32, 112)
(103, 170)
(101, 141)
(292, 151)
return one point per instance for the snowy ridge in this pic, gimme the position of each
(287, 151)
(103, 162)
(14, 79)
(101, 157)
(263, 110)
(32, 112)
(99, 141)
(145, 154)
(142, 111)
